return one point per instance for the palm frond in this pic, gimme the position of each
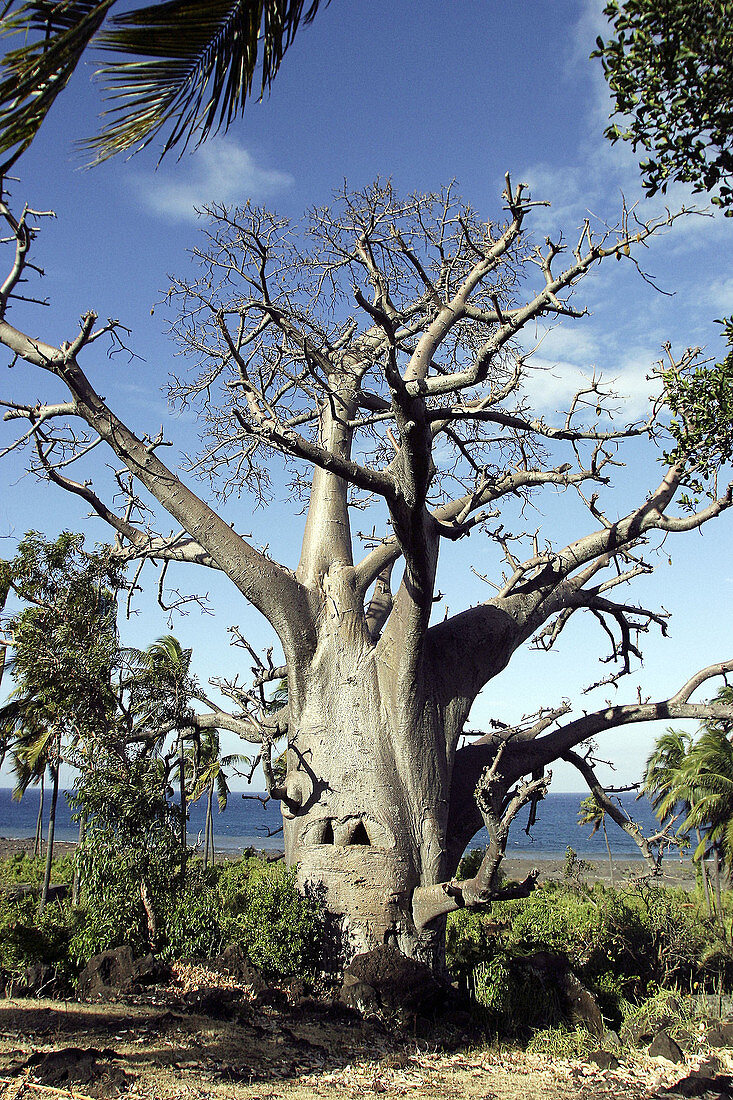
(194, 68)
(55, 34)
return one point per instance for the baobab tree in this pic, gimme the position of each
(381, 352)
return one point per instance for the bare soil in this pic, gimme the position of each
(196, 1040)
(206, 1038)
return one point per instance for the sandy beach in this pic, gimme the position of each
(675, 872)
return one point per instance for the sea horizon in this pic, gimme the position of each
(246, 823)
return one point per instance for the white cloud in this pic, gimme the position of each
(568, 359)
(719, 296)
(219, 171)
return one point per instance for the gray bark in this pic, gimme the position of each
(38, 839)
(55, 768)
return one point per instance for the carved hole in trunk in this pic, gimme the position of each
(326, 836)
(359, 835)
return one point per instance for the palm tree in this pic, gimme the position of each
(592, 813)
(208, 767)
(184, 64)
(15, 718)
(162, 687)
(33, 735)
(709, 770)
(668, 784)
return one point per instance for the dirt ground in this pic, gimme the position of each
(195, 1041)
(204, 1039)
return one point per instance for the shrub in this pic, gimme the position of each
(22, 868)
(194, 925)
(468, 941)
(26, 939)
(281, 931)
(515, 1002)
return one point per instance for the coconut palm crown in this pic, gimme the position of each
(184, 65)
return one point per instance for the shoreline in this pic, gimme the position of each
(675, 873)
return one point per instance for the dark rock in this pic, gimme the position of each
(603, 1059)
(116, 970)
(714, 1037)
(218, 1004)
(721, 1034)
(105, 973)
(401, 985)
(578, 1004)
(271, 998)
(581, 1005)
(74, 1066)
(708, 1067)
(36, 980)
(664, 1046)
(360, 996)
(56, 892)
(233, 961)
(150, 971)
(694, 1085)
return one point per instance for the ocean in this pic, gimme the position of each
(246, 822)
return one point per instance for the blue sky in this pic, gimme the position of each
(423, 93)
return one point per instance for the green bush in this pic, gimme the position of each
(111, 896)
(193, 924)
(26, 939)
(281, 931)
(622, 945)
(22, 868)
(515, 1003)
(468, 941)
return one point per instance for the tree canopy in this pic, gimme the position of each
(669, 67)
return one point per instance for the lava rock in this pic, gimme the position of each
(218, 1004)
(105, 973)
(664, 1046)
(233, 961)
(117, 969)
(150, 971)
(360, 996)
(721, 1034)
(401, 985)
(578, 1004)
(603, 1059)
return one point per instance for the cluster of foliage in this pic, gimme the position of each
(701, 404)
(668, 68)
(252, 904)
(690, 783)
(622, 945)
(188, 66)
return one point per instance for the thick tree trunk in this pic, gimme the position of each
(55, 770)
(369, 768)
